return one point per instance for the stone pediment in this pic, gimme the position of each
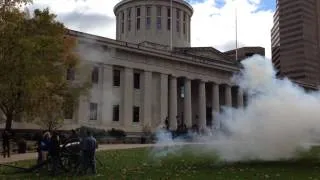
(207, 52)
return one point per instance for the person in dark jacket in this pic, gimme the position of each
(74, 135)
(54, 152)
(89, 153)
(38, 139)
(6, 144)
(45, 144)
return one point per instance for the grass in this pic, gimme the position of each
(139, 164)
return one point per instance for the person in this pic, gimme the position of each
(74, 135)
(89, 153)
(6, 144)
(54, 152)
(38, 139)
(44, 146)
(167, 123)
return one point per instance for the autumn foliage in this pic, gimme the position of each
(35, 54)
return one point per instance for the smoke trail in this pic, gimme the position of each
(280, 118)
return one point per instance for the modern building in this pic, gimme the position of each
(295, 39)
(245, 52)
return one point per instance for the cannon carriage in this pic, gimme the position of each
(69, 159)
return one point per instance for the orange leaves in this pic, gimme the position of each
(34, 57)
(69, 56)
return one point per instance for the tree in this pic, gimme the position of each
(34, 58)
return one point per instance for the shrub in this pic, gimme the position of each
(95, 132)
(117, 133)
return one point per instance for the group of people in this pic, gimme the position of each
(50, 146)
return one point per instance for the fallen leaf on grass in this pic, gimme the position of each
(266, 176)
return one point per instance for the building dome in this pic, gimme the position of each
(152, 21)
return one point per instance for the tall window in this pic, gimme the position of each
(168, 18)
(184, 22)
(70, 74)
(116, 113)
(129, 19)
(178, 20)
(136, 114)
(148, 17)
(68, 107)
(122, 22)
(93, 111)
(116, 77)
(95, 75)
(138, 14)
(136, 80)
(182, 91)
(159, 17)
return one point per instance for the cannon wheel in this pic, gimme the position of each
(70, 156)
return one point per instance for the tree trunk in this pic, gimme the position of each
(9, 121)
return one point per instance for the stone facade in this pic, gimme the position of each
(138, 81)
(141, 85)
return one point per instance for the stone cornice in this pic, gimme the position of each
(176, 1)
(306, 85)
(211, 63)
(246, 48)
(187, 50)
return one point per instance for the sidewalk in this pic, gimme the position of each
(103, 147)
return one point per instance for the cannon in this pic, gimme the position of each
(69, 159)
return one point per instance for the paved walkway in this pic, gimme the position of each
(104, 147)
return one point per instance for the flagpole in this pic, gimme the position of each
(236, 29)
(171, 24)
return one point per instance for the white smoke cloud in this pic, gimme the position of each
(279, 119)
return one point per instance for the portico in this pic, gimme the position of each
(193, 107)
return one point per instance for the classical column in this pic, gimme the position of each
(173, 108)
(147, 98)
(215, 103)
(187, 103)
(163, 97)
(107, 76)
(202, 104)
(240, 98)
(127, 96)
(228, 97)
(83, 112)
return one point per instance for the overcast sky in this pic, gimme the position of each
(212, 24)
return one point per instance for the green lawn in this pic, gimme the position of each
(139, 164)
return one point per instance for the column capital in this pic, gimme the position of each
(201, 80)
(226, 85)
(107, 66)
(173, 76)
(214, 83)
